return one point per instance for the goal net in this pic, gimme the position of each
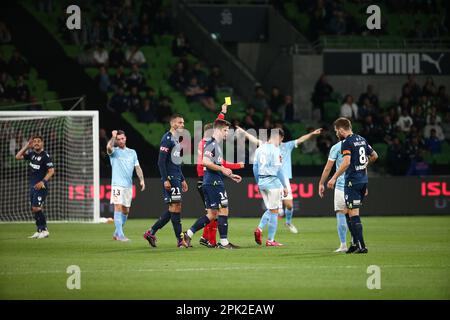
(71, 139)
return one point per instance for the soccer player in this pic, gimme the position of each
(41, 170)
(216, 198)
(357, 154)
(272, 184)
(286, 152)
(172, 178)
(335, 158)
(208, 238)
(123, 162)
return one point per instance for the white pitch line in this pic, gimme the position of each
(8, 273)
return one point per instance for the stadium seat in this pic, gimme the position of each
(331, 111)
(318, 159)
(441, 158)
(305, 159)
(356, 126)
(91, 72)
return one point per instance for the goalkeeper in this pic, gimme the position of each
(40, 172)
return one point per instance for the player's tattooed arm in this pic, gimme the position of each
(325, 173)
(21, 152)
(111, 142)
(308, 136)
(373, 157)
(140, 175)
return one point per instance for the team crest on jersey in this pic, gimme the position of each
(38, 158)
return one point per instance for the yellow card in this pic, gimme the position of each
(228, 101)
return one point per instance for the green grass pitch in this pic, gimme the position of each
(413, 254)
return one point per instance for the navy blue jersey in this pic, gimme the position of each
(359, 150)
(213, 152)
(170, 156)
(38, 166)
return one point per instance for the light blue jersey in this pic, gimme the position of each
(267, 167)
(336, 156)
(286, 151)
(123, 162)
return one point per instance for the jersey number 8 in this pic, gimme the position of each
(362, 155)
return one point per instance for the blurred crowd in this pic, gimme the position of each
(416, 125)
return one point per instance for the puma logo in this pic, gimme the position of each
(429, 59)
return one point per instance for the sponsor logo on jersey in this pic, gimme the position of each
(35, 166)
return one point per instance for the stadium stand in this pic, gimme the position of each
(21, 88)
(334, 23)
(145, 67)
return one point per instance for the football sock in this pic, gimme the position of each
(357, 225)
(341, 227)
(288, 213)
(200, 223)
(264, 219)
(212, 232)
(176, 223)
(223, 228)
(273, 223)
(350, 228)
(41, 222)
(206, 231)
(118, 224)
(160, 223)
(124, 218)
(36, 221)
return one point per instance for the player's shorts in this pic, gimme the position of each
(37, 197)
(339, 200)
(272, 198)
(121, 195)
(354, 195)
(215, 196)
(174, 195)
(289, 195)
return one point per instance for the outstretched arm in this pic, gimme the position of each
(308, 136)
(250, 137)
(232, 165)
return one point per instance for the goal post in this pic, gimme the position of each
(72, 140)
